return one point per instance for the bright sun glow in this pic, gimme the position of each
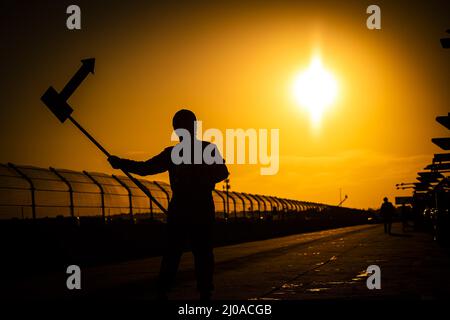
(315, 89)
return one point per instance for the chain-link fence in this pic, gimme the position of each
(28, 192)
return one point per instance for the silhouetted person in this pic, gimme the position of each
(191, 209)
(387, 211)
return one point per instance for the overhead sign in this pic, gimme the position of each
(403, 200)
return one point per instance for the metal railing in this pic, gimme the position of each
(28, 192)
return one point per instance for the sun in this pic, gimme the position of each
(315, 89)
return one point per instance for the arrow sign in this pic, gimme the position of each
(441, 157)
(444, 120)
(443, 143)
(438, 166)
(57, 103)
(430, 176)
(87, 67)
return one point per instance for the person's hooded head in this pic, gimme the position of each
(185, 119)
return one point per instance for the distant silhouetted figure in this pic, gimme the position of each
(191, 209)
(387, 211)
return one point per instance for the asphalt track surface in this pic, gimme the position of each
(328, 264)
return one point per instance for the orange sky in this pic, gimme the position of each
(234, 66)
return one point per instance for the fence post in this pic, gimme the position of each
(258, 202)
(72, 207)
(286, 206)
(294, 205)
(234, 203)
(164, 191)
(251, 203)
(130, 195)
(102, 193)
(32, 188)
(263, 202)
(150, 202)
(150, 206)
(225, 215)
(242, 199)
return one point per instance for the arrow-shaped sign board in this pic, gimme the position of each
(87, 67)
(427, 179)
(444, 120)
(443, 143)
(441, 157)
(57, 103)
(430, 175)
(438, 167)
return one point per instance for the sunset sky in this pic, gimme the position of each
(234, 64)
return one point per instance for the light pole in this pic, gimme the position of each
(342, 201)
(226, 187)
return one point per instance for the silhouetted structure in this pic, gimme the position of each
(84, 195)
(404, 214)
(191, 209)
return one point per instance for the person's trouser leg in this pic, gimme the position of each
(171, 258)
(202, 249)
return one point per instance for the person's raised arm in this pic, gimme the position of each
(157, 164)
